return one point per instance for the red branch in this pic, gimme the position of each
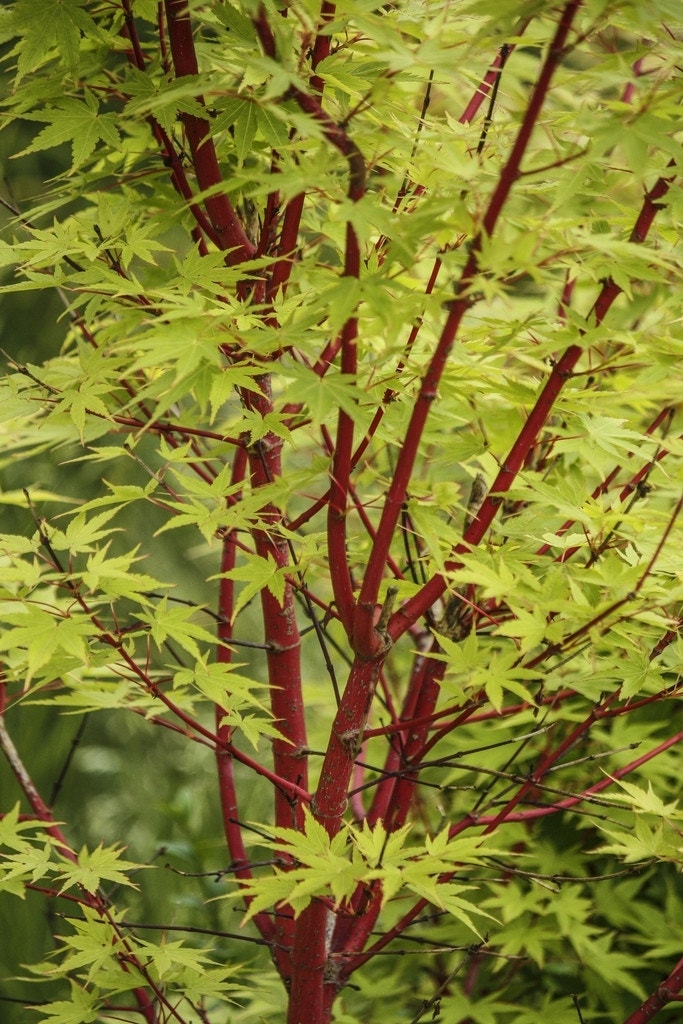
(321, 47)
(309, 986)
(281, 629)
(665, 993)
(225, 222)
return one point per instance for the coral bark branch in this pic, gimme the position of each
(225, 223)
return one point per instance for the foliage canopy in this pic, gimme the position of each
(340, 562)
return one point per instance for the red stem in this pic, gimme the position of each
(281, 629)
(347, 341)
(395, 794)
(286, 249)
(321, 47)
(178, 176)
(485, 86)
(664, 994)
(309, 987)
(224, 221)
(509, 471)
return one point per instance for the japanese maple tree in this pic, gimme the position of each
(356, 479)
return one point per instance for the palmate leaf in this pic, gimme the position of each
(91, 949)
(421, 870)
(254, 728)
(645, 842)
(82, 532)
(162, 98)
(79, 123)
(322, 866)
(653, 836)
(103, 864)
(375, 846)
(11, 829)
(614, 967)
(472, 667)
(113, 576)
(258, 574)
(245, 118)
(28, 866)
(81, 1008)
(446, 896)
(42, 634)
(176, 621)
(646, 801)
(46, 25)
(189, 972)
(230, 692)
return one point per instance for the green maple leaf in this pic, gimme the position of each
(77, 122)
(80, 1009)
(102, 864)
(258, 573)
(44, 25)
